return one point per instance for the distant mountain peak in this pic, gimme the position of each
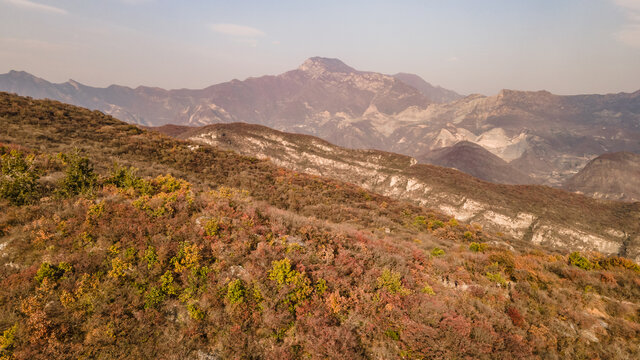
(22, 77)
(477, 161)
(20, 74)
(612, 176)
(318, 65)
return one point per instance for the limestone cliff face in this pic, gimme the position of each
(536, 214)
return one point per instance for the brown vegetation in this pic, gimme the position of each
(203, 251)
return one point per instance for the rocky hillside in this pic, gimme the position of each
(203, 253)
(545, 136)
(613, 176)
(534, 214)
(476, 161)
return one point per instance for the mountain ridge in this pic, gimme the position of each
(545, 136)
(436, 93)
(530, 213)
(475, 160)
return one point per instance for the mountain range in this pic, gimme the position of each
(545, 137)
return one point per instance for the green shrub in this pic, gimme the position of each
(166, 284)
(196, 283)
(131, 254)
(95, 211)
(477, 247)
(391, 282)
(497, 278)
(118, 268)
(616, 261)
(188, 257)
(257, 297)
(212, 228)
(19, 178)
(126, 178)
(393, 334)
(53, 272)
(153, 298)
(420, 222)
(151, 257)
(282, 273)
(169, 184)
(194, 312)
(235, 292)
(437, 252)
(321, 286)
(468, 235)
(428, 290)
(7, 339)
(79, 175)
(435, 224)
(575, 258)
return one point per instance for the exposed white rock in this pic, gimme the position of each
(589, 336)
(495, 140)
(507, 148)
(515, 227)
(578, 240)
(466, 212)
(372, 171)
(615, 233)
(413, 185)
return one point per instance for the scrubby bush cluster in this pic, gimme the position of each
(230, 257)
(21, 171)
(241, 287)
(19, 177)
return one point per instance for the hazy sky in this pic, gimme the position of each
(471, 46)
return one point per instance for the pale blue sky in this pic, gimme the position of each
(471, 46)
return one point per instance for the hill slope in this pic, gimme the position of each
(613, 176)
(233, 257)
(536, 214)
(475, 160)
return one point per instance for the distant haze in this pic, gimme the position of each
(564, 46)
